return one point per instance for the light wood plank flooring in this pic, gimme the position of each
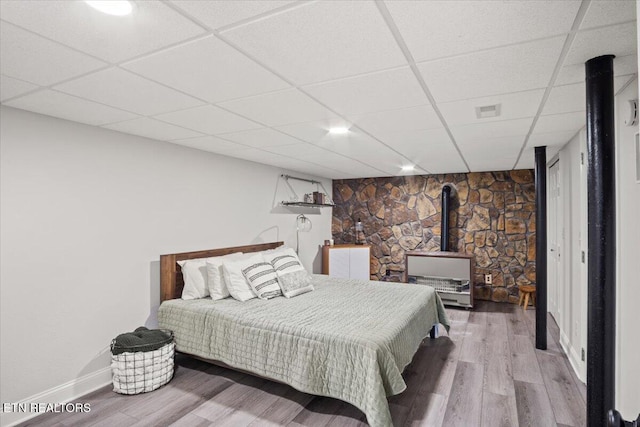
(486, 373)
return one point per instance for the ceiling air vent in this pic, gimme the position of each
(487, 111)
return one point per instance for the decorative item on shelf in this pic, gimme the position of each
(314, 199)
(319, 198)
(360, 239)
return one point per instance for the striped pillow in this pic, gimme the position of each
(292, 277)
(284, 261)
(263, 279)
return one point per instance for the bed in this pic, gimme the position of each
(348, 339)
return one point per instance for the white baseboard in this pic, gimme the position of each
(63, 393)
(572, 354)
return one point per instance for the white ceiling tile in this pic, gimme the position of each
(122, 89)
(279, 108)
(552, 151)
(412, 143)
(492, 164)
(567, 122)
(414, 118)
(340, 175)
(512, 106)
(442, 159)
(354, 144)
(69, 107)
(258, 156)
(314, 154)
(313, 131)
(208, 119)
(550, 139)
(504, 152)
(527, 160)
(501, 70)
(500, 147)
(341, 53)
(151, 128)
(320, 171)
(565, 99)
(354, 169)
(608, 12)
(321, 41)
(261, 138)
(209, 69)
(273, 159)
(220, 13)
(618, 40)
(308, 152)
(572, 98)
(622, 66)
(431, 149)
(10, 87)
(365, 149)
(480, 131)
(385, 90)
(436, 29)
(620, 82)
(572, 74)
(151, 26)
(32, 58)
(210, 143)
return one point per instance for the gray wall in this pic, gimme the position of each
(85, 214)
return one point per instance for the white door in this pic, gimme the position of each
(554, 240)
(584, 256)
(360, 263)
(339, 263)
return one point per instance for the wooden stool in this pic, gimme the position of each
(525, 291)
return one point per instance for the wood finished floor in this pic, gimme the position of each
(486, 373)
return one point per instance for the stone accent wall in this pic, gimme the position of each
(492, 217)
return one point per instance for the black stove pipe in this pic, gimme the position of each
(444, 225)
(541, 247)
(601, 211)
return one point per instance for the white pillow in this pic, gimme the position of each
(284, 261)
(194, 275)
(237, 284)
(293, 279)
(263, 279)
(295, 283)
(216, 283)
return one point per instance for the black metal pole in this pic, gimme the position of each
(601, 212)
(541, 247)
(444, 226)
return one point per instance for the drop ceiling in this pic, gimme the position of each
(266, 80)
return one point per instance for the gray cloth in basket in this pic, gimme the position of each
(142, 339)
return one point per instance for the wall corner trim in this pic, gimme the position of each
(62, 393)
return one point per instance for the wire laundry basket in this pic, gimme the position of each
(142, 368)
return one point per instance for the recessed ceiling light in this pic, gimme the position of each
(408, 168)
(112, 7)
(338, 130)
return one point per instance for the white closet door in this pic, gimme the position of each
(339, 265)
(359, 263)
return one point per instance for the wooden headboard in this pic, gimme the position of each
(171, 282)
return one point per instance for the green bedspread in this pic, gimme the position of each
(348, 339)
